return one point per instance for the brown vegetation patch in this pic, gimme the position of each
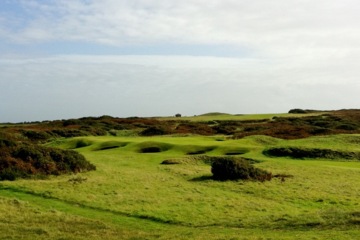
(24, 160)
(302, 153)
(323, 123)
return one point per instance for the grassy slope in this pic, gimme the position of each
(132, 195)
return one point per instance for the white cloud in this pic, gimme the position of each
(280, 26)
(302, 54)
(76, 86)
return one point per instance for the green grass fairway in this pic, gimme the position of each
(132, 195)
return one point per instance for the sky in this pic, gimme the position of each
(62, 59)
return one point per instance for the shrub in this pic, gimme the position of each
(153, 131)
(10, 174)
(7, 143)
(113, 132)
(69, 133)
(297, 110)
(347, 126)
(36, 135)
(70, 122)
(301, 153)
(194, 128)
(24, 160)
(94, 131)
(227, 168)
(319, 130)
(223, 129)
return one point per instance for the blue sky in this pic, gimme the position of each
(73, 58)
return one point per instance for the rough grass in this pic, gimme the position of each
(133, 196)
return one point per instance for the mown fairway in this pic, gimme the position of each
(132, 195)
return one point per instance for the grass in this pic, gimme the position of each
(132, 196)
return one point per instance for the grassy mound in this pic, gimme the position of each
(214, 114)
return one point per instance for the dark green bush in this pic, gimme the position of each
(69, 133)
(36, 135)
(347, 126)
(70, 161)
(297, 110)
(9, 174)
(28, 153)
(301, 153)
(223, 129)
(70, 122)
(153, 131)
(319, 130)
(228, 168)
(94, 131)
(24, 160)
(322, 123)
(7, 143)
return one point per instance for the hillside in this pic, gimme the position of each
(285, 126)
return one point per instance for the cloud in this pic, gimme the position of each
(77, 86)
(272, 26)
(283, 54)
(299, 29)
